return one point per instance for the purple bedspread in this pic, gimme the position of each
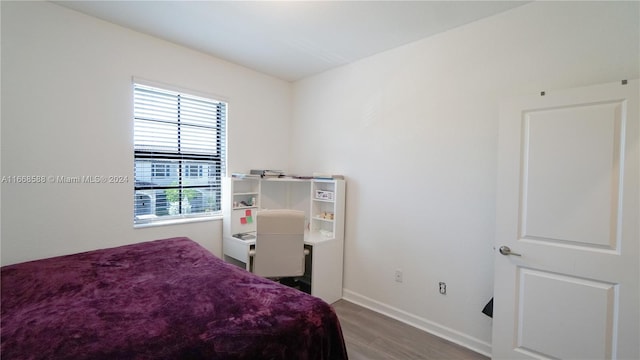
(164, 299)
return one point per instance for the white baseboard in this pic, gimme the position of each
(444, 332)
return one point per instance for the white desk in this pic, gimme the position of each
(325, 276)
(323, 202)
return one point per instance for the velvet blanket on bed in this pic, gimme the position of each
(164, 299)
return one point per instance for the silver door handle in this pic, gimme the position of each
(505, 250)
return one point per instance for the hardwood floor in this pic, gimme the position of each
(370, 335)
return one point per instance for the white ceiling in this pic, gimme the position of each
(291, 39)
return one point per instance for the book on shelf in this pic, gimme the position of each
(244, 176)
(267, 173)
(326, 176)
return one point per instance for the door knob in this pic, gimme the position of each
(505, 250)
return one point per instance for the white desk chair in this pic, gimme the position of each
(279, 250)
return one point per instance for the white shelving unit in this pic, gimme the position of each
(241, 202)
(323, 204)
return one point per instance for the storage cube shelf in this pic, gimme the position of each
(321, 200)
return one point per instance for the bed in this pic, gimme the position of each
(163, 299)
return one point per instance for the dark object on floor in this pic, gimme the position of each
(488, 309)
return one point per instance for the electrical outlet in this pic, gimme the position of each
(399, 275)
(443, 288)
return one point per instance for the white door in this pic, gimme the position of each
(568, 198)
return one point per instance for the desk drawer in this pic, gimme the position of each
(236, 248)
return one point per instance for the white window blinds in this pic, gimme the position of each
(179, 150)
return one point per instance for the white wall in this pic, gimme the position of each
(414, 130)
(67, 111)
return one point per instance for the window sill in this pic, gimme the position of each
(216, 217)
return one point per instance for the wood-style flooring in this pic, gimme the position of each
(370, 335)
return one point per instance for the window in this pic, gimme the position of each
(193, 171)
(160, 170)
(179, 147)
